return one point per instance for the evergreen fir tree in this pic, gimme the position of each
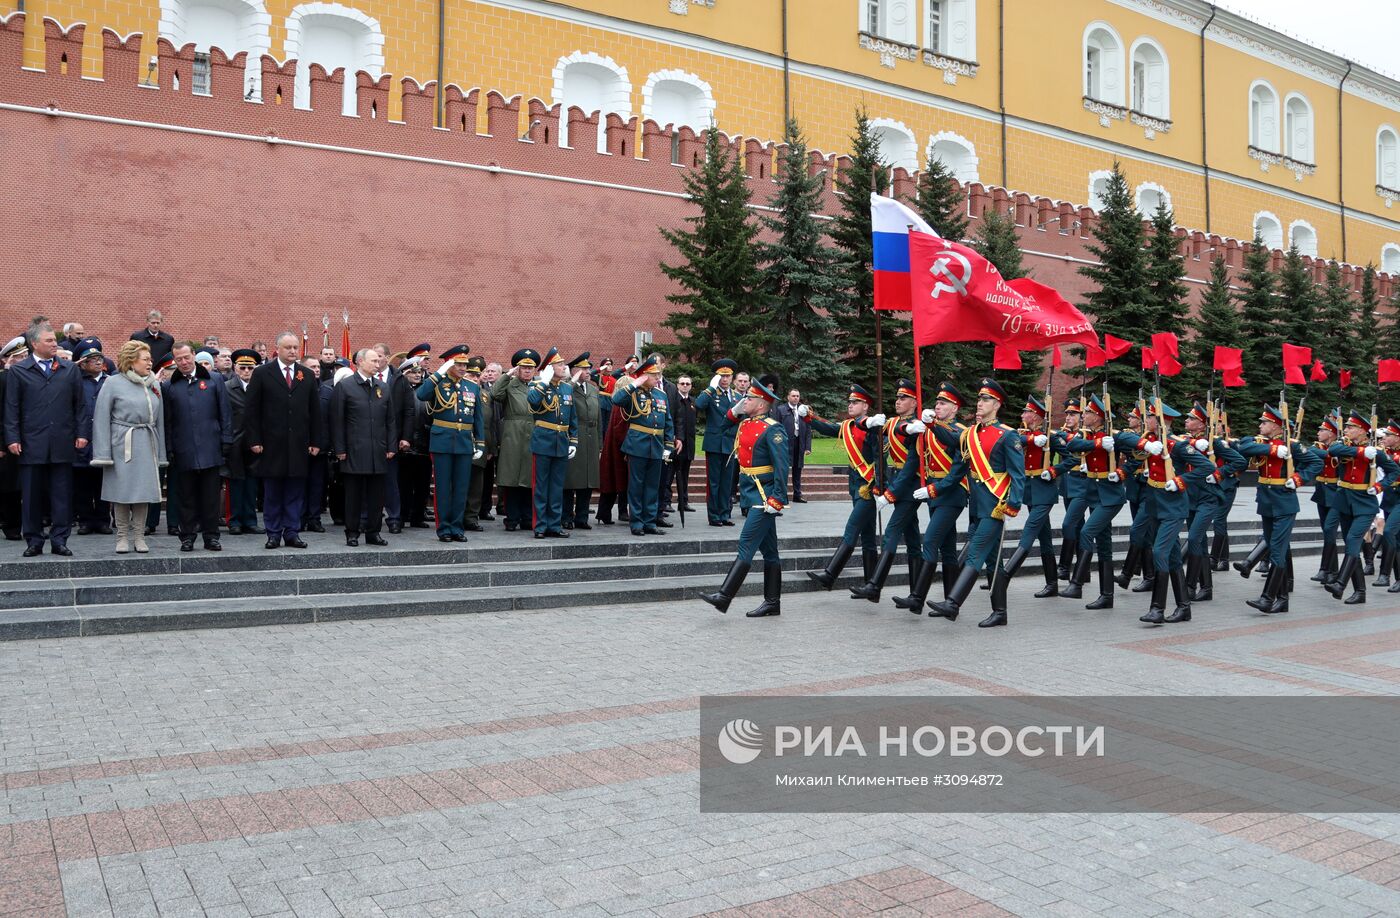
(1365, 343)
(942, 205)
(1336, 345)
(1121, 302)
(1263, 324)
(1300, 298)
(1217, 322)
(855, 313)
(996, 241)
(717, 271)
(1166, 298)
(800, 284)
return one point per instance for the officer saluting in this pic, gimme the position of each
(763, 455)
(553, 442)
(650, 440)
(455, 429)
(718, 443)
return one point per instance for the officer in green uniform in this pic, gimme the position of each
(553, 443)
(486, 453)
(763, 454)
(582, 478)
(716, 400)
(454, 432)
(650, 441)
(514, 475)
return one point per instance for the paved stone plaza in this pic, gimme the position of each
(545, 761)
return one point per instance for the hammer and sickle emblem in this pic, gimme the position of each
(953, 271)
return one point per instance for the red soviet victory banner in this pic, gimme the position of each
(959, 296)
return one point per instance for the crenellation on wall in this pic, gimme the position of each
(583, 129)
(372, 96)
(621, 135)
(544, 122)
(121, 58)
(459, 109)
(502, 116)
(63, 48)
(758, 159)
(327, 89)
(418, 103)
(227, 75)
(278, 83)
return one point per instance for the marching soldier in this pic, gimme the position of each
(1074, 487)
(860, 445)
(900, 434)
(454, 434)
(1144, 529)
(1105, 468)
(1206, 501)
(1277, 499)
(1039, 445)
(1229, 487)
(582, 478)
(762, 452)
(990, 458)
(650, 441)
(1325, 496)
(1358, 485)
(718, 443)
(1390, 506)
(553, 442)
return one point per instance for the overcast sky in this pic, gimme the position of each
(1364, 31)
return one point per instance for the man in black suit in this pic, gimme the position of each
(242, 487)
(198, 436)
(46, 424)
(160, 342)
(283, 425)
(364, 437)
(683, 413)
(792, 414)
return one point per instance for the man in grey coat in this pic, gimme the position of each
(364, 437)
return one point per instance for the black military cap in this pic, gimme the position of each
(724, 367)
(456, 354)
(859, 394)
(991, 388)
(525, 357)
(476, 364)
(246, 357)
(581, 362)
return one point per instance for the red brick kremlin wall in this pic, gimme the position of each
(213, 210)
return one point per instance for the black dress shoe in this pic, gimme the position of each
(582, 526)
(652, 530)
(84, 530)
(213, 545)
(295, 542)
(172, 530)
(375, 538)
(472, 526)
(569, 524)
(394, 529)
(457, 537)
(665, 525)
(556, 534)
(187, 545)
(418, 525)
(272, 543)
(62, 551)
(150, 530)
(253, 530)
(539, 535)
(314, 526)
(235, 529)
(12, 536)
(799, 500)
(34, 551)
(726, 522)
(352, 541)
(444, 538)
(511, 527)
(716, 523)
(104, 529)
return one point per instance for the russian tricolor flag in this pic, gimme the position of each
(890, 222)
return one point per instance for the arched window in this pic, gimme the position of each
(333, 36)
(1390, 258)
(1149, 196)
(957, 153)
(1302, 236)
(1263, 117)
(892, 19)
(1151, 80)
(1388, 158)
(897, 144)
(229, 25)
(1298, 129)
(594, 84)
(679, 98)
(1103, 64)
(1268, 228)
(950, 27)
(1098, 187)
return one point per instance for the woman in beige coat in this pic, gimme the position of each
(128, 442)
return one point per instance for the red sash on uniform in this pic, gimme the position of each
(898, 452)
(1272, 469)
(1035, 455)
(853, 438)
(1355, 473)
(977, 443)
(1328, 475)
(750, 432)
(937, 462)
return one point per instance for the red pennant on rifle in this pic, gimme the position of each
(1168, 365)
(1055, 359)
(1344, 379)
(1233, 379)
(1293, 374)
(1388, 371)
(1115, 347)
(1317, 373)
(1006, 358)
(1228, 358)
(1164, 344)
(1294, 356)
(1094, 356)
(1148, 360)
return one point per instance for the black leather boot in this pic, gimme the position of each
(1273, 588)
(868, 559)
(1052, 578)
(1067, 549)
(950, 576)
(1279, 602)
(1149, 573)
(1205, 580)
(1159, 602)
(916, 564)
(918, 591)
(1220, 552)
(871, 588)
(834, 565)
(1078, 577)
(950, 606)
(1288, 559)
(1105, 600)
(1130, 566)
(1251, 560)
(1004, 575)
(1182, 612)
(1358, 588)
(1338, 586)
(772, 591)
(1327, 563)
(732, 581)
(1395, 572)
(1383, 580)
(1368, 551)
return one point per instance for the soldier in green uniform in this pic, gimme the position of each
(454, 432)
(762, 451)
(718, 443)
(553, 442)
(650, 441)
(582, 479)
(514, 469)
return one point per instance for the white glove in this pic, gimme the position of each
(803, 411)
(1114, 477)
(1155, 448)
(477, 454)
(1107, 444)
(874, 421)
(1202, 445)
(927, 416)
(920, 494)
(1170, 486)
(1281, 451)
(547, 374)
(881, 502)
(573, 450)
(1041, 440)
(665, 455)
(1291, 485)
(714, 381)
(769, 508)
(1046, 476)
(915, 427)
(442, 369)
(1370, 452)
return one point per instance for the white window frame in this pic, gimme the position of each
(1393, 182)
(619, 104)
(1162, 82)
(909, 156)
(1258, 127)
(257, 37)
(1095, 199)
(1302, 153)
(679, 76)
(1390, 258)
(1109, 69)
(967, 168)
(1273, 239)
(938, 9)
(1309, 244)
(1155, 188)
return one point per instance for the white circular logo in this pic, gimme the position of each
(740, 741)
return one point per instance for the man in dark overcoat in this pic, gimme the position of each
(283, 424)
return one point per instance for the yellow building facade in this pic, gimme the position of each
(1237, 127)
